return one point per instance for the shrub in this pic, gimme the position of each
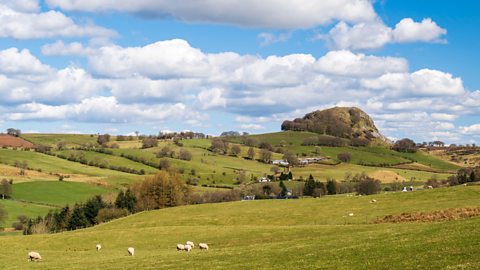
(405, 145)
(184, 154)
(368, 186)
(107, 214)
(344, 157)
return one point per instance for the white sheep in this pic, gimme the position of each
(373, 201)
(131, 251)
(98, 247)
(190, 243)
(350, 215)
(203, 246)
(429, 187)
(180, 247)
(188, 248)
(34, 256)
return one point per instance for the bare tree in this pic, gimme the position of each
(251, 153)
(235, 150)
(265, 155)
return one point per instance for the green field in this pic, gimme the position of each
(16, 208)
(55, 193)
(273, 234)
(53, 164)
(71, 140)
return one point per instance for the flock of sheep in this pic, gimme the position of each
(189, 245)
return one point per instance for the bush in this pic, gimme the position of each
(344, 157)
(368, 186)
(184, 154)
(356, 142)
(149, 142)
(107, 214)
(405, 145)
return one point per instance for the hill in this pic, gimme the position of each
(12, 141)
(272, 234)
(342, 122)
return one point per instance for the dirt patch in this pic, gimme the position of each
(11, 141)
(387, 176)
(435, 216)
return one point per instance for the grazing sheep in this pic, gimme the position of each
(350, 215)
(131, 251)
(98, 247)
(373, 201)
(203, 246)
(180, 247)
(190, 243)
(34, 256)
(429, 187)
(188, 248)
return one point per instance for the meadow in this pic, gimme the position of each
(272, 234)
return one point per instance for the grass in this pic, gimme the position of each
(52, 139)
(55, 193)
(56, 165)
(16, 208)
(275, 234)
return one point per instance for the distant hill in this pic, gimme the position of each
(11, 141)
(342, 122)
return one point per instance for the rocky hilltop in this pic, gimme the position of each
(342, 122)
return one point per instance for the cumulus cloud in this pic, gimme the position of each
(19, 21)
(283, 14)
(427, 30)
(375, 34)
(251, 127)
(22, 5)
(173, 79)
(60, 48)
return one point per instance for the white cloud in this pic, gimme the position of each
(22, 5)
(471, 130)
(60, 48)
(280, 14)
(358, 37)
(427, 30)
(270, 38)
(375, 34)
(445, 126)
(251, 127)
(346, 63)
(22, 63)
(23, 24)
(212, 98)
(443, 116)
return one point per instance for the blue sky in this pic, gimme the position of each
(210, 66)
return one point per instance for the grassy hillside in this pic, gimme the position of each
(53, 139)
(292, 234)
(55, 193)
(16, 208)
(52, 164)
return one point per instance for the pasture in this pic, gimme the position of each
(293, 234)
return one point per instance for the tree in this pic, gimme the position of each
(265, 155)
(235, 150)
(61, 145)
(368, 186)
(283, 189)
(149, 142)
(165, 152)
(14, 132)
(103, 139)
(251, 153)
(160, 191)
(78, 220)
(290, 158)
(164, 164)
(405, 145)
(92, 207)
(5, 189)
(331, 186)
(219, 146)
(309, 187)
(344, 157)
(184, 154)
(126, 200)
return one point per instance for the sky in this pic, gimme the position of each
(117, 66)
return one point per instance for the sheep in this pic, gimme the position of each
(98, 247)
(373, 201)
(429, 187)
(190, 243)
(188, 248)
(350, 215)
(180, 247)
(34, 256)
(203, 246)
(131, 251)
